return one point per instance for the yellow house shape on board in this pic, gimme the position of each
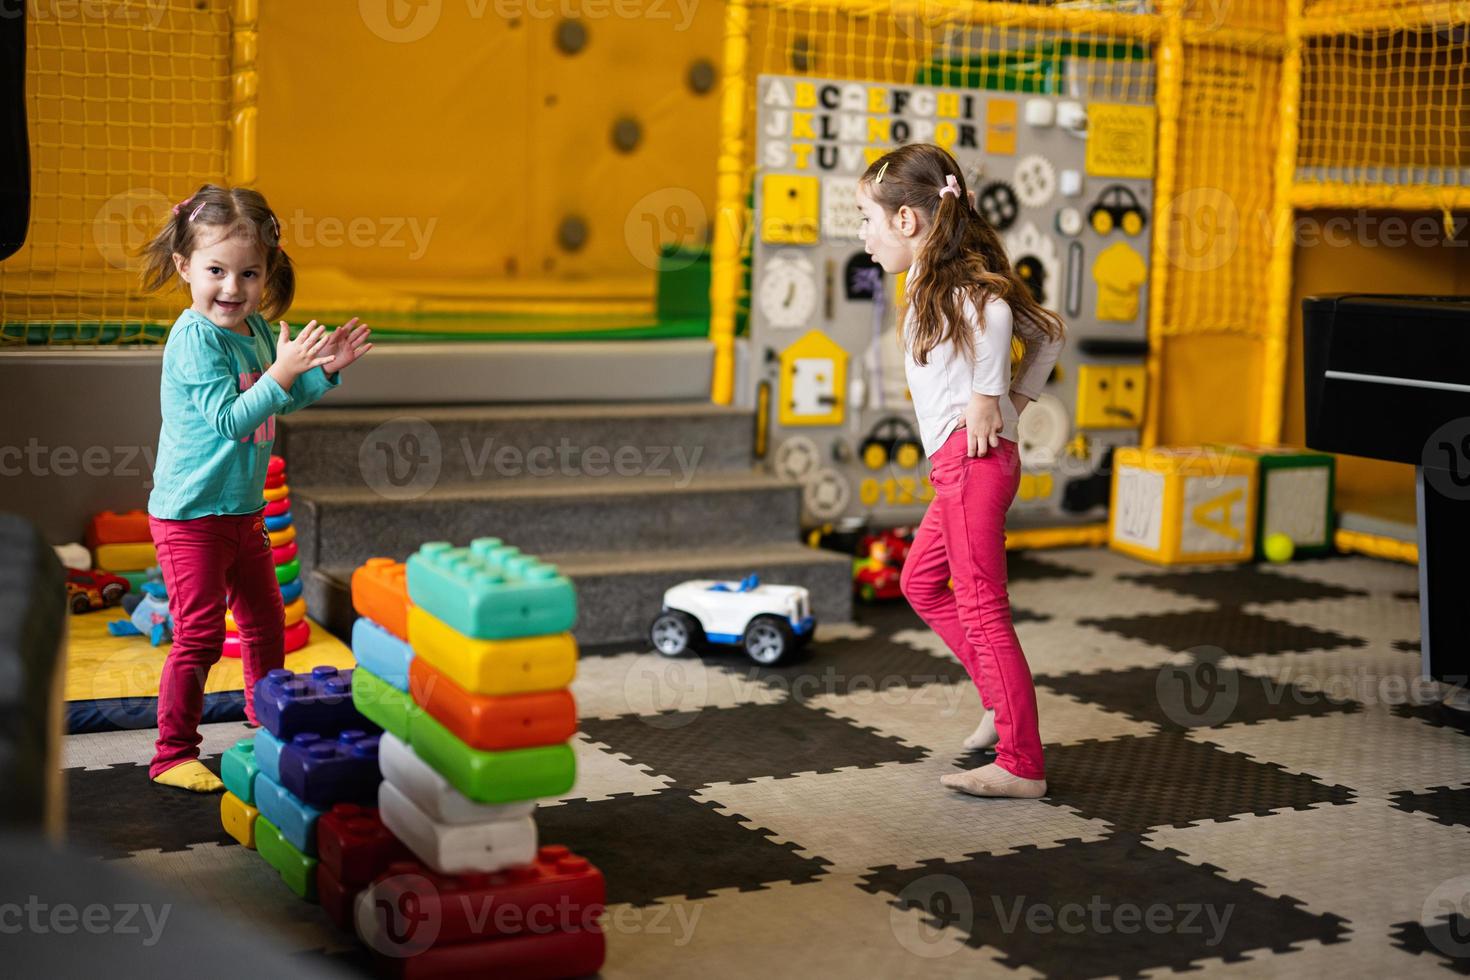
(813, 381)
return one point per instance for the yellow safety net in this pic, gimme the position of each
(127, 103)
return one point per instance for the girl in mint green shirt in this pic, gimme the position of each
(225, 378)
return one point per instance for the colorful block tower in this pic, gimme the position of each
(464, 658)
(288, 567)
(122, 544)
(313, 752)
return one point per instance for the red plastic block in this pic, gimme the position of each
(354, 844)
(380, 592)
(533, 956)
(336, 898)
(493, 723)
(110, 527)
(558, 891)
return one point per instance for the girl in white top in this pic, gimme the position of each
(964, 304)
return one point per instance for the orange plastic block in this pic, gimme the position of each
(110, 527)
(493, 723)
(380, 592)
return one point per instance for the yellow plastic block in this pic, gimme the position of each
(238, 818)
(790, 214)
(534, 663)
(1183, 505)
(285, 535)
(295, 613)
(126, 557)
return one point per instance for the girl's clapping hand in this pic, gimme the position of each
(346, 344)
(300, 355)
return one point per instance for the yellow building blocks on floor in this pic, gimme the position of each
(238, 818)
(494, 667)
(126, 557)
(1183, 505)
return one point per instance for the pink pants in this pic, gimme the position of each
(209, 562)
(963, 537)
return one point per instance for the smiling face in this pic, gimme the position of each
(226, 277)
(891, 239)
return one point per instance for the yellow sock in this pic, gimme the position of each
(192, 776)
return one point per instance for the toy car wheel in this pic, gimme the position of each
(1101, 220)
(768, 639)
(112, 592)
(674, 633)
(80, 603)
(1132, 222)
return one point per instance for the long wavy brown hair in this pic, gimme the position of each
(961, 258)
(237, 211)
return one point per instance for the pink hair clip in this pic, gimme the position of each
(277, 226)
(951, 186)
(180, 205)
(196, 211)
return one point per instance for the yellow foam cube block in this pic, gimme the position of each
(238, 818)
(132, 557)
(1183, 505)
(519, 666)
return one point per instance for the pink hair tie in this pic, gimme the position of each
(180, 205)
(951, 186)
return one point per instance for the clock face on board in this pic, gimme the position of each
(788, 290)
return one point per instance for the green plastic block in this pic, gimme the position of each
(296, 869)
(382, 703)
(490, 591)
(494, 777)
(1295, 495)
(683, 284)
(237, 768)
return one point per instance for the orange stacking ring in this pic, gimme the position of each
(513, 721)
(272, 494)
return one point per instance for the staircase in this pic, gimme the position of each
(627, 499)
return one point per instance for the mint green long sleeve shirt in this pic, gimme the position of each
(219, 407)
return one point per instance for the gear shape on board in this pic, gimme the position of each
(796, 458)
(826, 494)
(1035, 180)
(1036, 259)
(997, 204)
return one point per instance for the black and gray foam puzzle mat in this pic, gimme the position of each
(1245, 778)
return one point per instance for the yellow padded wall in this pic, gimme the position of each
(476, 136)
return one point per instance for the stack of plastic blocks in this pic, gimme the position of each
(477, 724)
(282, 535)
(123, 545)
(313, 751)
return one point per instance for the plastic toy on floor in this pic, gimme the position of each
(91, 589)
(150, 617)
(770, 621)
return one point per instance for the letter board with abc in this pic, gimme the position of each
(1065, 176)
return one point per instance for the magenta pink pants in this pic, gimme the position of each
(208, 563)
(963, 537)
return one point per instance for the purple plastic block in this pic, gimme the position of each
(321, 772)
(320, 702)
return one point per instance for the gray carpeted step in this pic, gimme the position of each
(346, 527)
(620, 593)
(394, 448)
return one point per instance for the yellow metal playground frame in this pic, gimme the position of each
(1172, 34)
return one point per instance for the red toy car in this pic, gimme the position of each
(877, 576)
(94, 589)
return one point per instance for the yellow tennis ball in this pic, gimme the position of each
(1279, 548)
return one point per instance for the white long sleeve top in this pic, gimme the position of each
(941, 388)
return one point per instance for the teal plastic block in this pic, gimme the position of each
(237, 768)
(494, 777)
(490, 591)
(296, 869)
(382, 703)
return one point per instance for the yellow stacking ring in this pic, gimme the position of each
(295, 613)
(276, 493)
(285, 535)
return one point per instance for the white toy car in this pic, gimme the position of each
(768, 620)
